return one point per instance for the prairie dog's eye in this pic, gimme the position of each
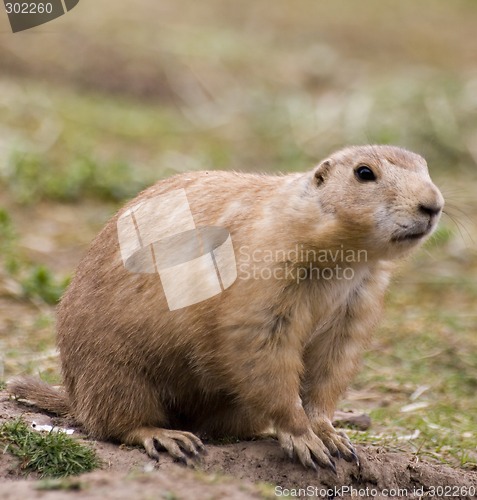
(365, 174)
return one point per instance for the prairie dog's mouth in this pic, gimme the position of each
(412, 234)
(409, 236)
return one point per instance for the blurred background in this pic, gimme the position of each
(112, 96)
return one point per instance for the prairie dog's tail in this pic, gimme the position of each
(40, 394)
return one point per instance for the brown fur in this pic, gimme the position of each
(264, 351)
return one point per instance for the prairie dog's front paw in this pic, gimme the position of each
(337, 442)
(308, 448)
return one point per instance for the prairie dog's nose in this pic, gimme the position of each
(432, 209)
(431, 201)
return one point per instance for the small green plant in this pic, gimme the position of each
(8, 243)
(59, 484)
(54, 454)
(36, 281)
(41, 283)
(6, 229)
(169, 495)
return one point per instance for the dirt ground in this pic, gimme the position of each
(253, 469)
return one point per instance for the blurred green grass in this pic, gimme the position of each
(111, 100)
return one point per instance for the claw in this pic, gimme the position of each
(328, 455)
(184, 447)
(181, 459)
(332, 467)
(337, 443)
(352, 457)
(309, 449)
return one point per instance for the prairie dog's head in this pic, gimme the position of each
(382, 196)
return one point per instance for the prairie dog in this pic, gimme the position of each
(281, 341)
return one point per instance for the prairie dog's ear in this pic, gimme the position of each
(322, 172)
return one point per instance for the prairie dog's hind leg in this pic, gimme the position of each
(128, 408)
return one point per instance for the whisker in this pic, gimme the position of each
(459, 225)
(461, 214)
